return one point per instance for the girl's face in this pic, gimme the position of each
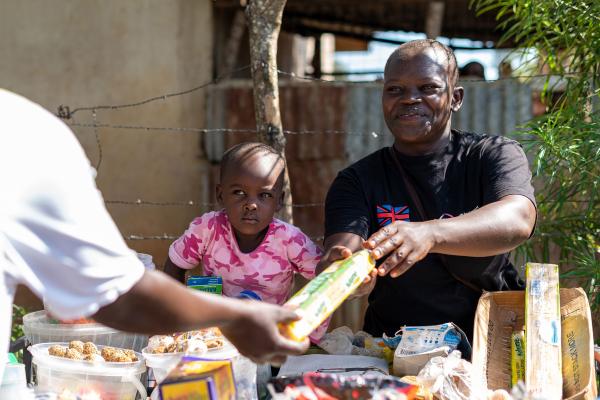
(251, 193)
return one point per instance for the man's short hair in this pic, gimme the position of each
(423, 44)
(245, 150)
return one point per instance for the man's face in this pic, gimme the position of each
(418, 97)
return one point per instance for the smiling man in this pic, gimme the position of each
(441, 209)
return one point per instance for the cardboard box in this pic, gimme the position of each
(496, 315)
(209, 284)
(199, 378)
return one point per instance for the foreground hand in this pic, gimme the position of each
(405, 242)
(256, 334)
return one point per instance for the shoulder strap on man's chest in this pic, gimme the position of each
(414, 196)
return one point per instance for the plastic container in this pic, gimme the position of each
(110, 380)
(13, 384)
(39, 328)
(244, 370)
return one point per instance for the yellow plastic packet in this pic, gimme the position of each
(517, 357)
(321, 296)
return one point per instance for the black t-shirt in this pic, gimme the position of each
(470, 172)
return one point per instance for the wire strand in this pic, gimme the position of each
(215, 130)
(65, 113)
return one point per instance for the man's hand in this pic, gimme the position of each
(336, 253)
(405, 242)
(256, 334)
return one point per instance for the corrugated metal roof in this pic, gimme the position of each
(365, 17)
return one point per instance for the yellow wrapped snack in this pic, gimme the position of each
(320, 297)
(517, 357)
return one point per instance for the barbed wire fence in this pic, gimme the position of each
(67, 114)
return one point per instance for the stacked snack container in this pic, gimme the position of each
(108, 380)
(39, 328)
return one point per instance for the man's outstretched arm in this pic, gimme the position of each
(493, 229)
(158, 304)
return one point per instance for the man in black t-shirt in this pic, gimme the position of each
(440, 209)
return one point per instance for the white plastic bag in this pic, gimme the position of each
(342, 341)
(449, 378)
(338, 341)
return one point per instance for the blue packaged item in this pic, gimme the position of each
(420, 339)
(209, 284)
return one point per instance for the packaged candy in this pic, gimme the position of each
(209, 284)
(517, 357)
(198, 378)
(320, 297)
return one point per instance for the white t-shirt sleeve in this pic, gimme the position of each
(58, 236)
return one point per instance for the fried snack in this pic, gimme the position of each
(130, 354)
(214, 343)
(208, 333)
(57, 351)
(189, 342)
(119, 356)
(108, 352)
(93, 357)
(76, 345)
(195, 346)
(180, 337)
(90, 348)
(158, 350)
(160, 343)
(73, 354)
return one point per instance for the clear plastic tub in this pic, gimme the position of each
(244, 370)
(13, 384)
(39, 328)
(110, 380)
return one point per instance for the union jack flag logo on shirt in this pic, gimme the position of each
(386, 214)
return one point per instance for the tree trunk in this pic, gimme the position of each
(264, 22)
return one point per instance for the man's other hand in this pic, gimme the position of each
(340, 253)
(335, 253)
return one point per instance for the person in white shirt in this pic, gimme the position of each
(57, 238)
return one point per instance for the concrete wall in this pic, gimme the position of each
(93, 52)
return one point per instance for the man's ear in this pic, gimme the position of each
(457, 98)
(219, 194)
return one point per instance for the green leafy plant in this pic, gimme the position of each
(564, 35)
(17, 327)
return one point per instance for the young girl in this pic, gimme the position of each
(243, 243)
